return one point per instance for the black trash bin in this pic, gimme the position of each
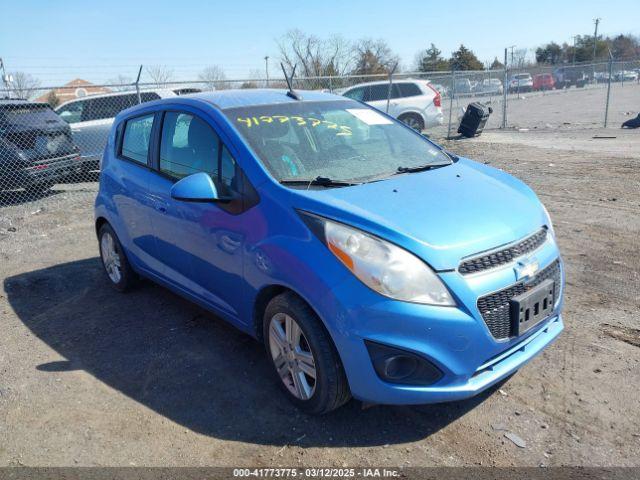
(474, 119)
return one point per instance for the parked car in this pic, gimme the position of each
(463, 86)
(625, 75)
(36, 148)
(602, 77)
(414, 102)
(543, 81)
(520, 82)
(368, 260)
(565, 77)
(91, 117)
(489, 86)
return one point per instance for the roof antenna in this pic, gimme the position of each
(291, 93)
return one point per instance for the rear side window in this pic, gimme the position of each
(136, 138)
(409, 90)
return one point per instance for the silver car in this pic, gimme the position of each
(91, 117)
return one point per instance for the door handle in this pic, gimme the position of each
(161, 208)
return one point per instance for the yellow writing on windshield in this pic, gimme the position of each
(296, 120)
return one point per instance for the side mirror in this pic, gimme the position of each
(195, 188)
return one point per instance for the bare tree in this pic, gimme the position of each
(213, 77)
(519, 58)
(315, 56)
(23, 85)
(374, 56)
(160, 74)
(121, 83)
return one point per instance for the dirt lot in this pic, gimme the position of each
(569, 109)
(92, 377)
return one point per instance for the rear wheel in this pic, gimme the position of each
(303, 356)
(114, 261)
(412, 120)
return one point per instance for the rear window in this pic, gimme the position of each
(522, 76)
(31, 115)
(136, 138)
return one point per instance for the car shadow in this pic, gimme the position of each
(189, 366)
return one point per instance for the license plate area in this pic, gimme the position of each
(530, 308)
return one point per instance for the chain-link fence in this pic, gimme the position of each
(52, 140)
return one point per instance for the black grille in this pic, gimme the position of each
(495, 308)
(507, 255)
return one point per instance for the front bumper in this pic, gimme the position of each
(454, 339)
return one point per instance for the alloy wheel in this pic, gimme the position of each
(292, 356)
(110, 257)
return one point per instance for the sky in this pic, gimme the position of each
(57, 41)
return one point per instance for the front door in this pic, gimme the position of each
(199, 243)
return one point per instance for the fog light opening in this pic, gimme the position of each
(399, 367)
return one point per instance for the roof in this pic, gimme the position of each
(386, 82)
(17, 101)
(260, 96)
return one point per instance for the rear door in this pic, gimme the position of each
(128, 177)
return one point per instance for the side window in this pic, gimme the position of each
(409, 89)
(189, 145)
(107, 107)
(71, 113)
(136, 138)
(147, 97)
(355, 93)
(378, 92)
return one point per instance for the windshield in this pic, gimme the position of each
(342, 140)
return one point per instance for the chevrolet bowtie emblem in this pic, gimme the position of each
(526, 269)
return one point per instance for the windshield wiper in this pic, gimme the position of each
(320, 181)
(420, 168)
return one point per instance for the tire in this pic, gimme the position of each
(115, 261)
(329, 390)
(412, 120)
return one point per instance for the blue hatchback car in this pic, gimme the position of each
(371, 262)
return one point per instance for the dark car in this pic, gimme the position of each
(36, 147)
(565, 77)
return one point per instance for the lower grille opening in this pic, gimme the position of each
(496, 310)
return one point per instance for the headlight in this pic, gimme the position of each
(382, 266)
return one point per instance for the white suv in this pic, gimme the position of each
(414, 102)
(91, 117)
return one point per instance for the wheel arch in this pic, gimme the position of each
(100, 221)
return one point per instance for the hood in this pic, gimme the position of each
(441, 215)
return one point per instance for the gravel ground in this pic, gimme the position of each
(92, 377)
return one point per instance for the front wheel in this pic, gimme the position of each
(303, 356)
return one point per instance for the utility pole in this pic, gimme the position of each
(595, 37)
(511, 48)
(574, 49)
(266, 68)
(595, 44)
(5, 78)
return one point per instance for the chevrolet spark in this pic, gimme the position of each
(370, 261)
